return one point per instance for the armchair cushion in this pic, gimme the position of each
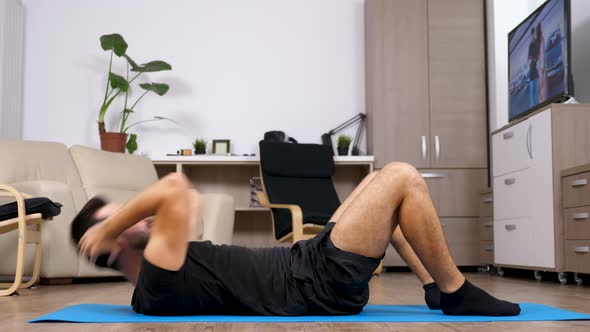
(43, 205)
(297, 160)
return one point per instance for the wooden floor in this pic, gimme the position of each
(388, 288)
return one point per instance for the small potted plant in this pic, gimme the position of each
(200, 146)
(343, 144)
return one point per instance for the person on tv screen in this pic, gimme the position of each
(541, 65)
(533, 71)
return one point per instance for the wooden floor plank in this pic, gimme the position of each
(387, 288)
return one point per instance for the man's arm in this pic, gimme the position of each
(170, 202)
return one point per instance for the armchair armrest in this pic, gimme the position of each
(8, 191)
(296, 214)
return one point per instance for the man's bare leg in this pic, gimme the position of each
(398, 241)
(367, 225)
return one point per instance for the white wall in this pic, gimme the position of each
(240, 68)
(503, 16)
(11, 68)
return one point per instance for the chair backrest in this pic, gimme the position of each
(299, 174)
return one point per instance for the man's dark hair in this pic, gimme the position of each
(83, 221)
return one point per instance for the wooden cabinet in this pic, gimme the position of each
(576, 216)
(425, 79)
(396, 37)
(486, 228)
(528, 156)
(425, 90)
(458, 131)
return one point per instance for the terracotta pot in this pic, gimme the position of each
(113, 142)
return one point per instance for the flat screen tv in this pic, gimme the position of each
(539, 66)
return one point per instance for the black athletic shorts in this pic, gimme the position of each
(311, 278)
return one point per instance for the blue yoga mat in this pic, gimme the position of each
(106, 313)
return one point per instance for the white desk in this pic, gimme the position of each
(231, 175)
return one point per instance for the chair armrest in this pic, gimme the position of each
(296, 214)
(8, 191)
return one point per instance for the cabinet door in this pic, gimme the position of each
(457, 84)
(455, 192)
(397, 81)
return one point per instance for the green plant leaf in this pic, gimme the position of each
(133, 64)
(158, 88)
(132, 143)
(118, 82)
(152, 66)
(114, 42)
(125, 111)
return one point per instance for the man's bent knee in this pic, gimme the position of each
(410, 175)
(177, 180)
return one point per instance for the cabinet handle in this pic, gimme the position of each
(489, 249)
(579, 183)
(488, 225)
(433, 175)
(510, 227)
(529, 137)
(581, 216)
(487, 200)
(509, 181)
(508, 135)
(436, 148)
(424, 148)
(582, 249)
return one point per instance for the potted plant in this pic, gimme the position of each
(117, 85)
(343, 144)
(200, 146)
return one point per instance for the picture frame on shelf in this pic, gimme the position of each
(221, 146)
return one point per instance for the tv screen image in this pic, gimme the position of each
(538, 52)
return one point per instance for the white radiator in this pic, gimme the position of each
(12, 19)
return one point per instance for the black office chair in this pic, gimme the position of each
(297, 186)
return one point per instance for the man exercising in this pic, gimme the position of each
(148, 241)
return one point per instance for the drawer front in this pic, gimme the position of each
(486, 205)
(577, 256)
(576, 190)
(512, 194)
(577, 223)
(486, 252)
(511, 149)
(486, 229)
(512, 242)
(462, 238)
(455, 193)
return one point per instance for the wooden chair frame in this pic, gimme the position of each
(25, 236)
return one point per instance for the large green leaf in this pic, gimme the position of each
(132, 143)
(114, 42)
(158, 88)
(118, 82)
(152, 66)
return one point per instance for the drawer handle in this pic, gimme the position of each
(582, 250)
(511, 227)
(488, 225)
(433, 175)
(509, 181)
(579, 183)
(581, 216)
(508, 135)
(489, 249)
(487, 200)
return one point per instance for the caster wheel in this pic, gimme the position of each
(578, 280)
(538, 276)
(500, 272)
(562, 277)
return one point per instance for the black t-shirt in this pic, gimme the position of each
(221, 279)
